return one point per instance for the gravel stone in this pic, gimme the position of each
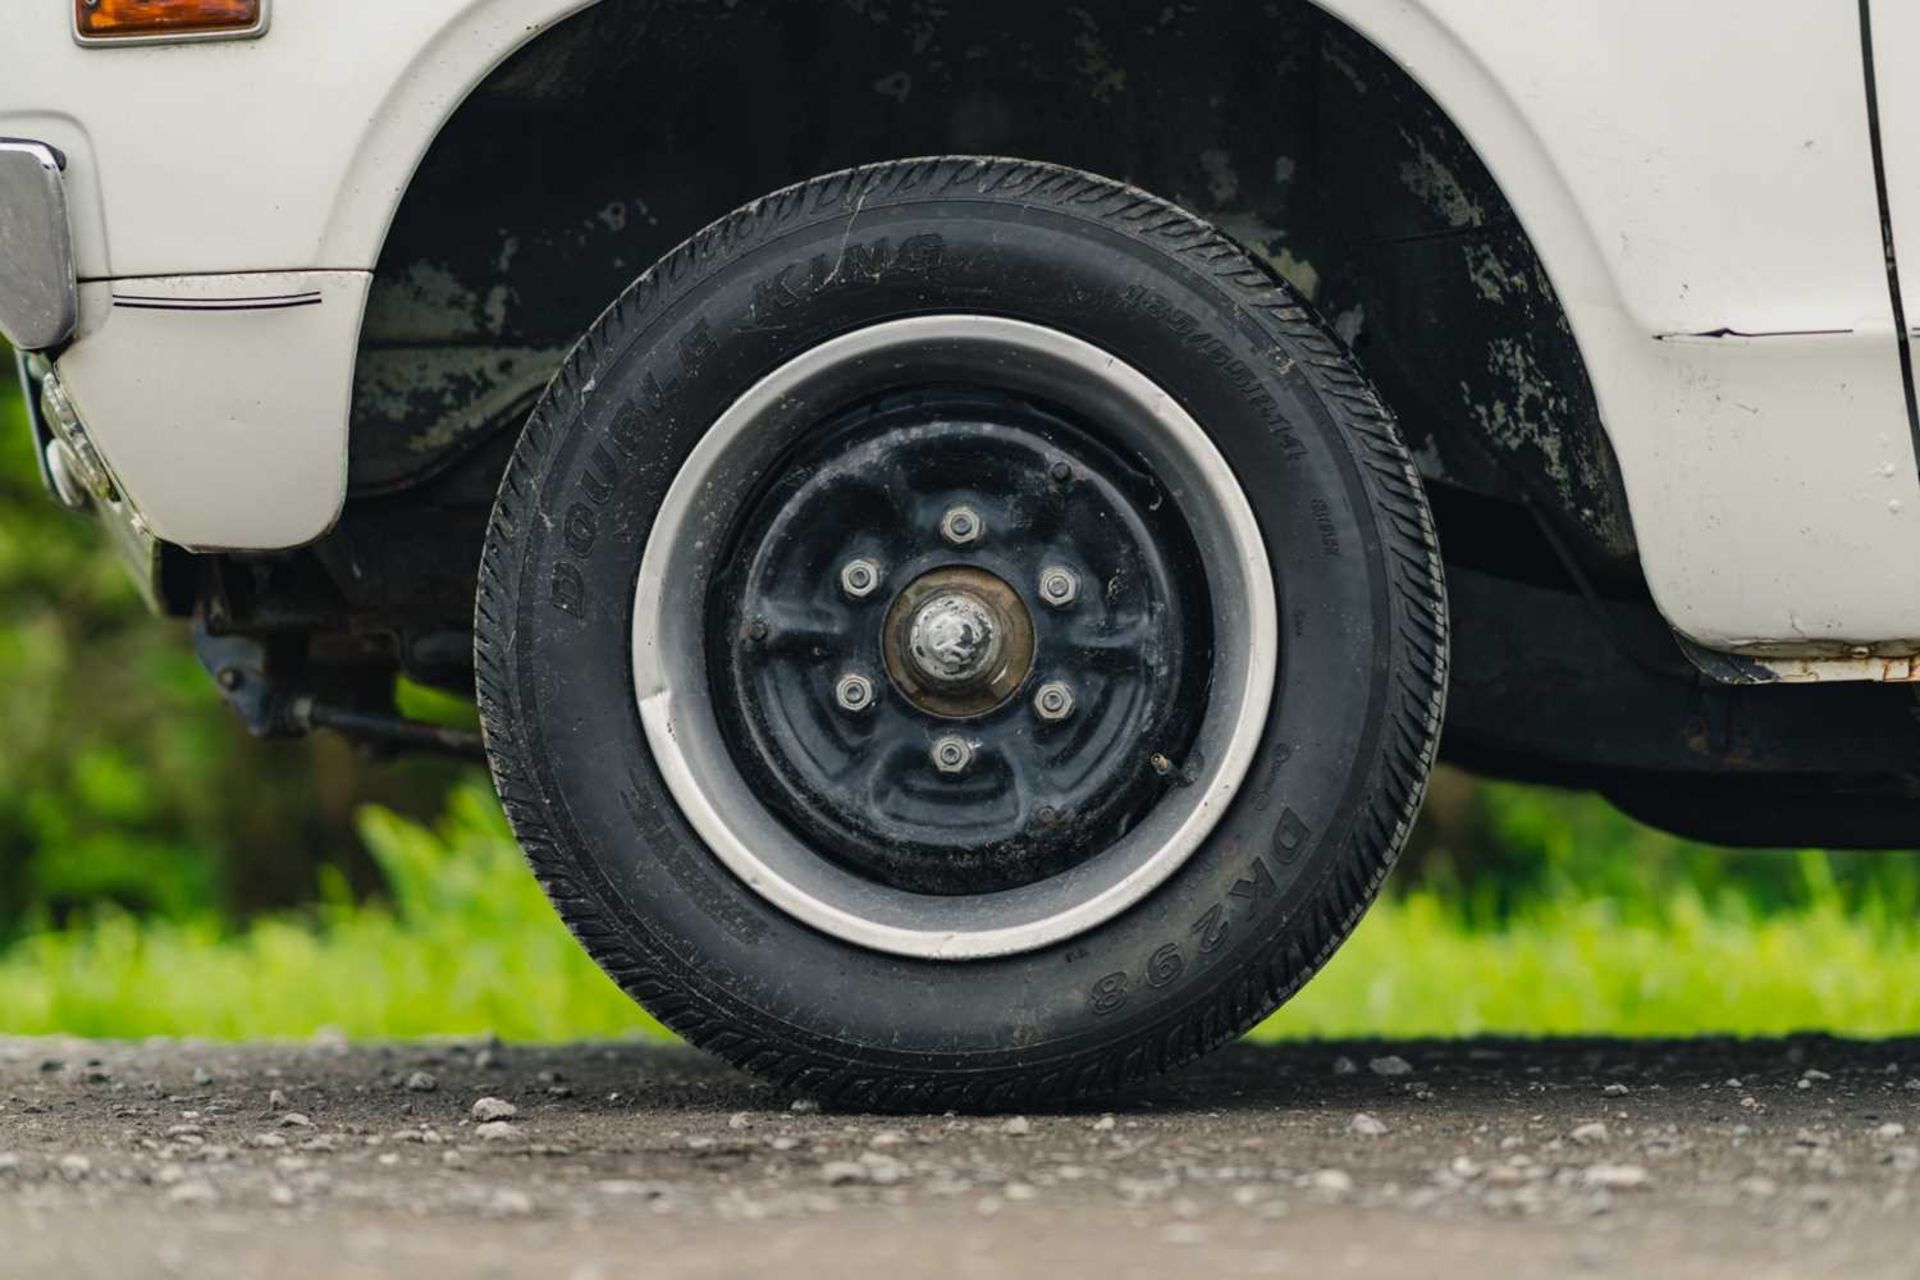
(1615, 1177)
(1390, 1065)
(837, 1173)
(510, 1202)
(494, 1109)
(1333, 1182)
(421, 1082)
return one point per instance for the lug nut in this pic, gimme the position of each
(859, 578)
(952, 755)
(1059, 586)
(1053, 701)
(853, 693)
(961, 525)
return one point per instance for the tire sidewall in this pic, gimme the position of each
(1247, 911)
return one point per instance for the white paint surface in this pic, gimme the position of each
(227, 428)
(1689, 168)
(1896, 55)
(282, 153)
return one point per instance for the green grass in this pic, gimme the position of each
(466, 944)
(1415, 968)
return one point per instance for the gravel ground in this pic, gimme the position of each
(1763, 1158)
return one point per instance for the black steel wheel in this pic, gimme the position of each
(1018, 612)
(958, 631)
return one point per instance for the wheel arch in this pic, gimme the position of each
(468, 43)
(1501, 405)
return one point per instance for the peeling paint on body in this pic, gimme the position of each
(1295, 137)
(1440, 188)
(1529, 411)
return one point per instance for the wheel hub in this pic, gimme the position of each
(1014, 716)
(952, 640)
(958, 641)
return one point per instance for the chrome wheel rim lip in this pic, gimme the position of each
(670, 664)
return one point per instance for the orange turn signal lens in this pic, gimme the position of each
(105, 19)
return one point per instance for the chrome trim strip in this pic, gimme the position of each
(137, 302)
(39, 286)
(253, 32)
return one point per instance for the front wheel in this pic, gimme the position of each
(959, 633)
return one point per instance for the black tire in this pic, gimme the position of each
(1246, 920)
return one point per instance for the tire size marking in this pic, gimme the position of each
(1324, 526)
(1238, 372)
(1246, 898)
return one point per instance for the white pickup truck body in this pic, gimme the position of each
(1699, 181)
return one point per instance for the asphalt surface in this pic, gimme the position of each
(1703, 1158)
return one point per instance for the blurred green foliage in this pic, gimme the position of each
(465, 943)
(122, 777)
(1498, 850)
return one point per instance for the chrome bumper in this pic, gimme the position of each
(39, 296)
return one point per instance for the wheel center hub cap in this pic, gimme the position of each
(958, 641)
(952, 640)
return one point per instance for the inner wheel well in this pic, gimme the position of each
(630, 126)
